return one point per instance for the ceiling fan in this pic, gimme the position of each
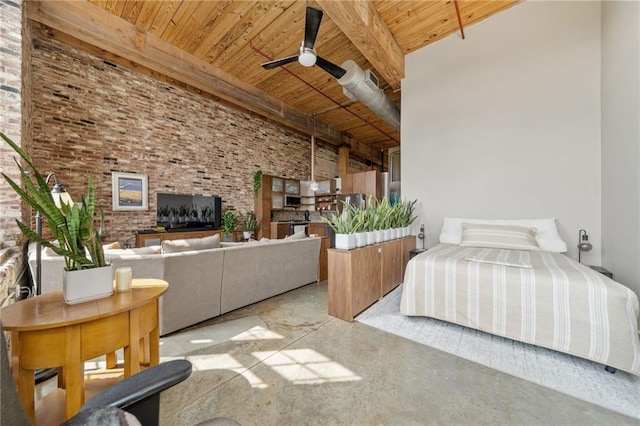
(307, 56)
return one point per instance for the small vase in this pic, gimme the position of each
(87, 284)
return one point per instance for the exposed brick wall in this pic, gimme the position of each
(90, 116)
(12, 267)
(10, 64)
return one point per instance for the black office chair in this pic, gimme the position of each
(138, 395)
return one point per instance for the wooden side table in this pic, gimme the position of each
(48, 333)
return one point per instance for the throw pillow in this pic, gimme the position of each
(143, 250)
(112, 246)
(300, 235)
(177, 246)
(499, 236)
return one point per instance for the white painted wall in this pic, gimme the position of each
(621, 141)
(506, 124)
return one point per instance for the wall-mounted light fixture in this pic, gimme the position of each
(421, 235)
(583, 243)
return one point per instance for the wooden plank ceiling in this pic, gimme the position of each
(236, 36)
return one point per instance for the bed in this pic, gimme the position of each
(510, 278)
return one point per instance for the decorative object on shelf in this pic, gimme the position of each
(228, 223)
(129, 192)
(78, 241)
(257, 182)
(583, 243)
(250, 224)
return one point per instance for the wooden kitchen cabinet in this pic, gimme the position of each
(279, 230)
(363, 183)
(358, 278)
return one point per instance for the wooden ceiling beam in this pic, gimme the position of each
(362, 24)
(93, 25)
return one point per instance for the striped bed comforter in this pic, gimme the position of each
(541, 298)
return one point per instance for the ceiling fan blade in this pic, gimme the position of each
(279, 62)
(312, 26)
(332, 69)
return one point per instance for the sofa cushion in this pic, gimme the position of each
(135, 250)
(297, 236)
(177, 246)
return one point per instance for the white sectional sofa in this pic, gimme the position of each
(209, 282)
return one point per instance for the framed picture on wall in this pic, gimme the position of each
(130, 192)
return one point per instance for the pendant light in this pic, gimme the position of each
(313, 185)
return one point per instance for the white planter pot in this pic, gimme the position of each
(371, 237)
(87, 284)
(247, 234)
(407, 231)
(386, 234)
(345, 241)
(361, 239)
(378, 235)
(395, 233)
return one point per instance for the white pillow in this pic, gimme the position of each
(499, 236)
(177, 246)
(547, 234)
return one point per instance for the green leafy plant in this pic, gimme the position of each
(408, 210)
(340, 223)
(257, 182)
(228, 223)
(250, 221)
(79, 241)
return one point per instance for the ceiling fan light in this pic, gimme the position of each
(307, 59)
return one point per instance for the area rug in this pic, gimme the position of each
(564, 373)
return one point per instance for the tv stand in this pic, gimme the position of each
(147, 238)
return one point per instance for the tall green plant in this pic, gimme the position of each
(72, 226)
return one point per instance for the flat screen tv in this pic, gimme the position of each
(189, 211)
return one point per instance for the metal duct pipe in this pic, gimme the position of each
(362, 86)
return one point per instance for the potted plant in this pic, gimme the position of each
(342, 226)
(72, 225)
(228, 224)
(250, 224)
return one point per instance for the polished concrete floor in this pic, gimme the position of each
(285, 361)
